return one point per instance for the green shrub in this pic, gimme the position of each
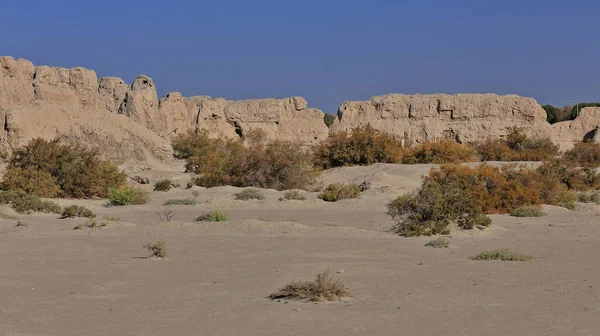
(328, 119)
(527, 211)
(363, 146)
(163, 185)
(554, 114)
(74, 210)
(294, 195)
(157, 249)
(215, 216)
(439, 243)
(340, 191)
(323, 288)
(50, 169)
(503, 255)
(584, 154)
(250, 194)
(263, 164)
(184, 201)
(25, 203)
(127, 196)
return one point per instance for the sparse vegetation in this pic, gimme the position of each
(527, 211)
(181, 201)
(297, 195)
(111, 219)
(127, 196)
(167, 215)
(23, 202)
(195, 193)
(441, 242)
(74, 210)
(584, 154)
(163, 185)
(21, 224)
(516, 146)
(50, 169)
(92, 224)
(503, 255)
(322, 288)
(589, 197)
(214, 216)
(263, 164)
(339, 191)
(157, 249)
(250, 194)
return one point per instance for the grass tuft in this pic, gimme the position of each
(215, 216)
(322, 288)
(184, 201)
(527, 211)
(503, 255)
(439, 243)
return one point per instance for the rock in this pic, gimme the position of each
(112, 92)
(596, 136)
(141, 104)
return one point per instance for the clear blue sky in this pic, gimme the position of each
(326, 51)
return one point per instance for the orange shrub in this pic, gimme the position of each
(440, 151)
(584, 154)
(515, 147)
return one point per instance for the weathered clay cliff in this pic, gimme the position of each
(463, 117)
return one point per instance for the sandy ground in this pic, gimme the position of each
(215, 279)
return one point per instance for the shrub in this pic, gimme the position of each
(163, 185)
(184, 201)
(516, 146)
(440, 151)
(439, 243)
(503, 255)
(294, 195)
(215, 216)
(264, 164)
(328, 119)
(363, 146)
(157, 249)
(50, 169)
(92, 224)
(250, 194)
(323, 288)
(23, 202)
(127, 196)
(340, 191)
(591, 197)
(527, 211)
(584, 154)
(74, 210)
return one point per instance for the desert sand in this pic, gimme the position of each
(215, 279)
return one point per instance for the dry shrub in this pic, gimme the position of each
(250, 194)
(181, 201)
(441, 242)
(440, 152)
(74, 210)
(322, 288)
(502, 255)
(50, 168)
(273, 164)
(23, 202)
(363, 146)
(339, 191)
(516, 147)
(527, 211)
(297, 195)
(157, 249)
(590, 197)
(163, 185)
(584, 154)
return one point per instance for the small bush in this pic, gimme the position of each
(23, 202)
(74, 210)
(49, 169)
(329, 119)
(440, 152)
(184, 201)
(294, 195)
(250, 194)
(516, 146)
(163, 185)
(584, 154)
(215, 216)
(439, 243)
(503, 255)
(340, 191)
(157, 249)
(127, 196)
(527, 211)
(323, 288)
(589, 197)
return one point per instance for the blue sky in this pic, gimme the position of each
(326, 51)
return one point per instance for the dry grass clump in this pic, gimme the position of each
(297, 195)
(23, 202)
(52, 169)
(584, 154)
(440, 152)
(527, 211)
(441, 242)
(215, 216)
(363, 146)
(127, 196)
(181, 201)
(502, 255)
(157, 249)
(92, 224)
(322, 288)
(339, 191)
(516, 146)
(273, 164)
(250, 194)
(74, 210)
(163, 185)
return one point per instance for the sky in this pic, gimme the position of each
(326, 51)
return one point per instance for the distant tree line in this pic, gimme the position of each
(568, 112)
